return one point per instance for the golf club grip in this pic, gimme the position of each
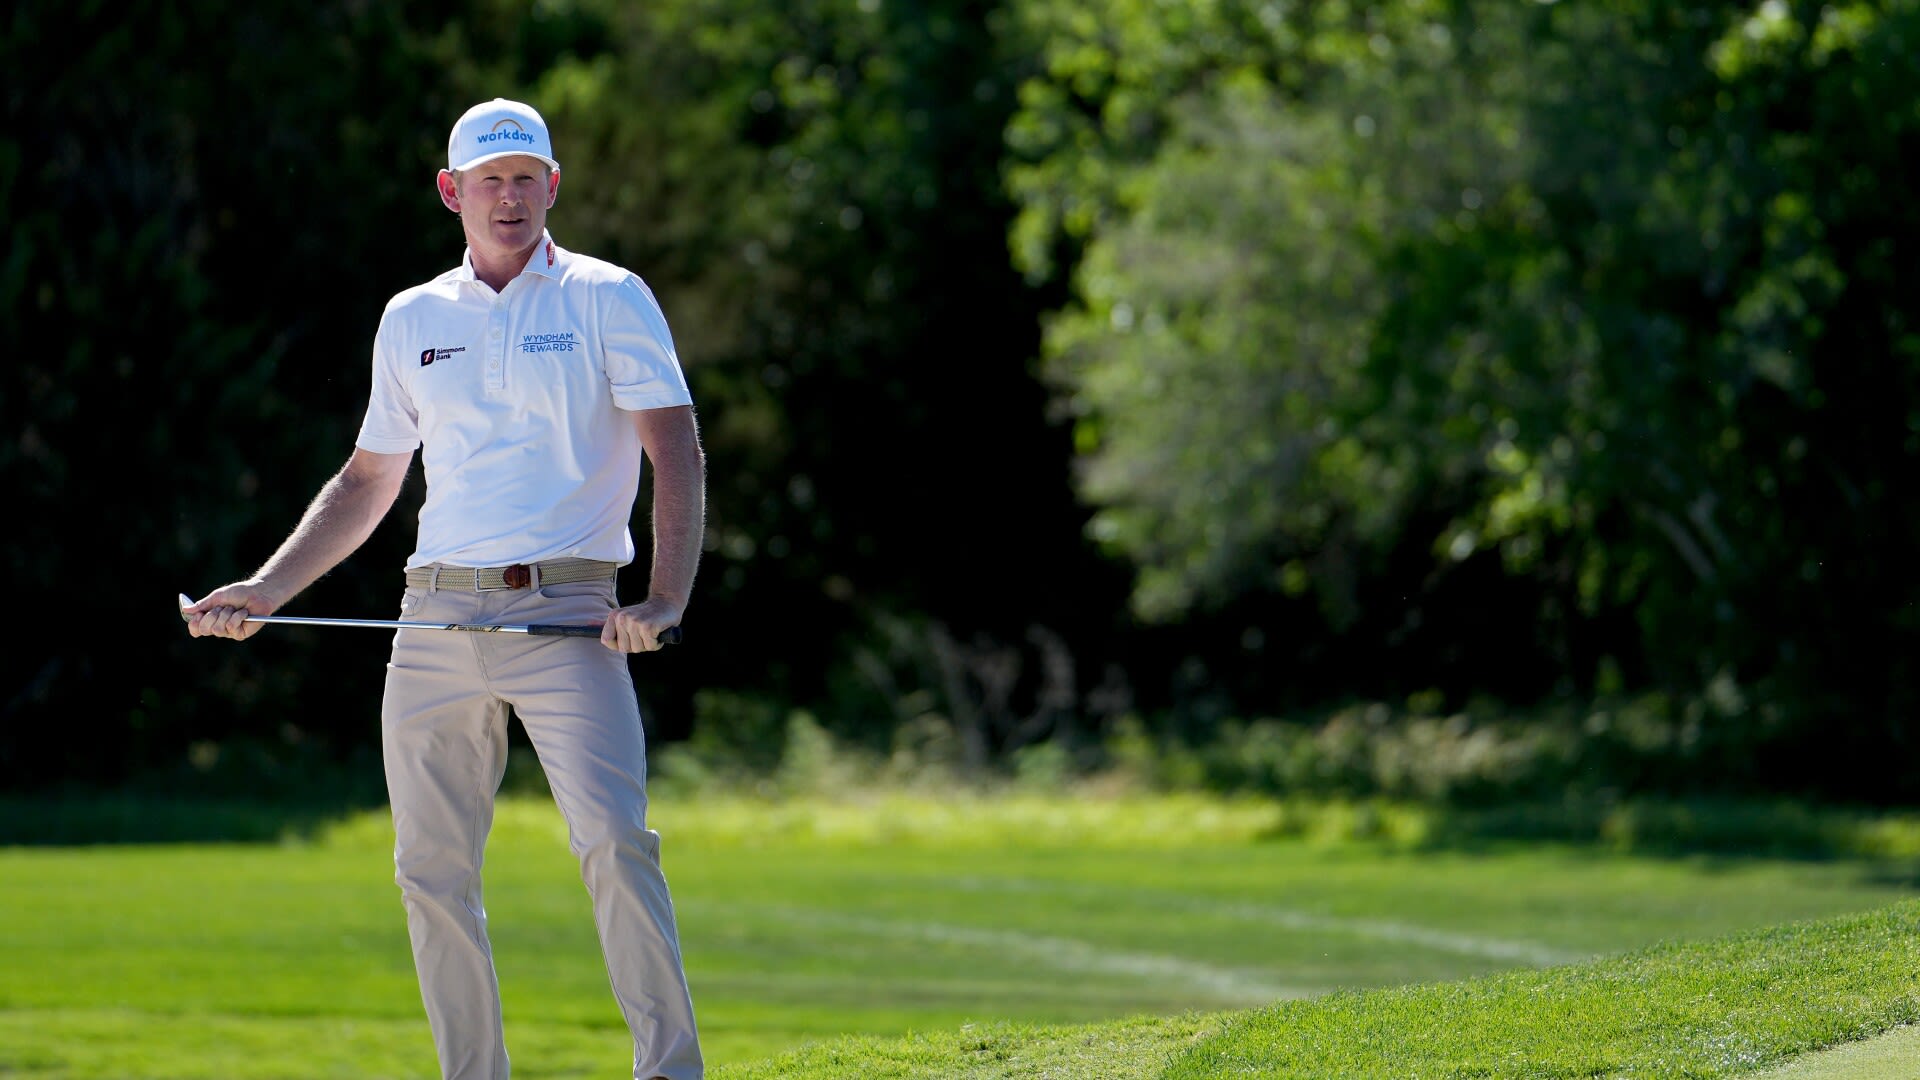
(670, 637)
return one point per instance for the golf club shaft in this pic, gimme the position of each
(671, 636)
(536, 629)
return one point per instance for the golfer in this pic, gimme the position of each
(536, 383)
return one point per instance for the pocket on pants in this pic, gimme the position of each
(602, 588)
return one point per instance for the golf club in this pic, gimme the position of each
(670, 637)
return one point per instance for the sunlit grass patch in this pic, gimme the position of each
(1715, 1009)
(1018, 931)
(1709, 1009)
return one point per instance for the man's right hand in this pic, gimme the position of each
(223, 612)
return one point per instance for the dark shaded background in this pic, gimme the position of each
(209, 206)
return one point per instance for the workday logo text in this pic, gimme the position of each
(508, 130)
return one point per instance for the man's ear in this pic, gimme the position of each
(553, 187)
(449, 191)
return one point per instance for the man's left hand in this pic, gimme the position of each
(640, 627)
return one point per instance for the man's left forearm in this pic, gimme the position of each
(679, 503)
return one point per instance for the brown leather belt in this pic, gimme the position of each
(517, 576)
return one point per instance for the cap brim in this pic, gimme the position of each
(484, 158)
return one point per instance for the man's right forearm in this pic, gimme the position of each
(339, 519)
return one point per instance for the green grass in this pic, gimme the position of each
(1721, 1008)
(911, 936)
(1718, 1008)
(1890, 1056)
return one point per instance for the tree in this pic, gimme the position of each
(1581, 287)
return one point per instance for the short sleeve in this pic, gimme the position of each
(638, 351)
(392, 424)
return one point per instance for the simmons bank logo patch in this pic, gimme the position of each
(428, 356)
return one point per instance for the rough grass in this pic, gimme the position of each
(892, 934)
(1720, 1008)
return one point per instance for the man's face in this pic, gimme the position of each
(502, 203)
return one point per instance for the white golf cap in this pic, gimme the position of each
(495, 129)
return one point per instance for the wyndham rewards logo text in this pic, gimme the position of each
(566, 341)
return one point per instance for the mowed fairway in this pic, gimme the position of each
(805, 921)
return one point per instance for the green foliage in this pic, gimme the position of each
(1111, 75)
(1508, 351)
(1602, 292)
(1218, 325)
(812, 192)
(1634, 776)
(1646, 746)
(191, 264)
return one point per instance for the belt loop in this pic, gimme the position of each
(533, 576)
(433, 578)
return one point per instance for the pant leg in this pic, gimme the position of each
(443, 738)
(576, 700)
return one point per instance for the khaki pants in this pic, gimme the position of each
(444, 738)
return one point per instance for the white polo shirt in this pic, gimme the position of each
(518, 402)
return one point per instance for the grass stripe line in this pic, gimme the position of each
(1519, 952)
(1222, 985)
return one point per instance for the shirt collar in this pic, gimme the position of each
(544, 261)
